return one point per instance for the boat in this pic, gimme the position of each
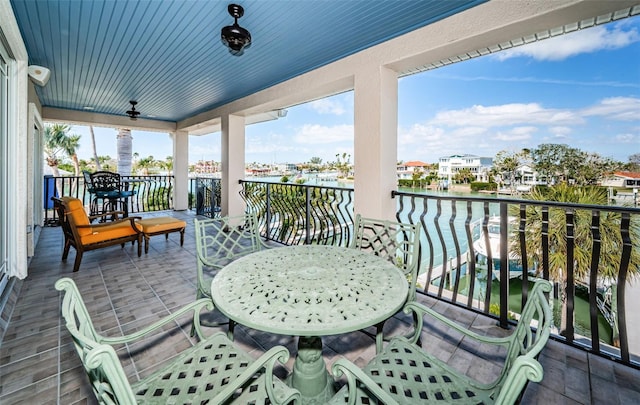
(482, 251)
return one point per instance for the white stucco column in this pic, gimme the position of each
(376, 140)
(180, 170)
(233, 140)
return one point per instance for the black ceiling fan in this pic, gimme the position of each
(236, 38)
(133, 113)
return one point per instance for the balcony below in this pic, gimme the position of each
(123, 292)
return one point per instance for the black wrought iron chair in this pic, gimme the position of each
(107, 187)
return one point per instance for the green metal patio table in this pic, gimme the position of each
(309, 291)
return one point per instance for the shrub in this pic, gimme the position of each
(479, 186)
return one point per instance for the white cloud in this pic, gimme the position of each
(515, 134)
(583, 41)
(328, 106)
(628, 138)
(616, 108)
(419, 133)
(320, 134)
(506, 114)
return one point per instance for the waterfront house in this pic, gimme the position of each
(622, 179)
(449, 166)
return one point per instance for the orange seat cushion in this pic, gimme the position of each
(161, 224)
(108, 232)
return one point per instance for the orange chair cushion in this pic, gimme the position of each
(108, 232)
(160, 224)
(78, 215)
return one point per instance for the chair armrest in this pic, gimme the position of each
(195, 306)
(524, 368)
(354, 375)
(110, 223)
(421, 310)
(113, 214)
(268, 362)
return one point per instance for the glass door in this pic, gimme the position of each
(4, 170)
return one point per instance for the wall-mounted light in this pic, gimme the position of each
(39, 74)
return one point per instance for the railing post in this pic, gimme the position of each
(621, 311)
(268, 213)
(307, 216)
(570, 288)
(504, 264)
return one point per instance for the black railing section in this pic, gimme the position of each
(152, 193)
(296, 214)
(207, 196)
(472, 255)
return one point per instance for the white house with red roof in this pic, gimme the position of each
(407, 169)
(622, 179)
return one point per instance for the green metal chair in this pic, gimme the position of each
(212, 371)
(395, 241)
(404, 373)
(220, 241)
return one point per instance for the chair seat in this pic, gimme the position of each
(109, 232)
(411, 376)
(201, 372)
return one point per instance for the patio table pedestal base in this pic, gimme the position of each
(310, 375)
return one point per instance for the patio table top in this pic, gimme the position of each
(309, 290)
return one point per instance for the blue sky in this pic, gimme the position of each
(580, 89)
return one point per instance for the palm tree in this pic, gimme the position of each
(610, 237)
(93, 148)
(124, 142)
(54, 138)
(145, 164)
(57, 140)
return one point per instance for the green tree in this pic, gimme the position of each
(634, 163)
(505, 164)
(611, 240)
(591, 168)
(145, 164)
(464, 176)
(58, 140)
(343, 164)
(563, 163)
(316, 161)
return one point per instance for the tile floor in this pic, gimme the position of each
(38, 364)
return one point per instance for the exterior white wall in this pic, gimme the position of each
(180, 170)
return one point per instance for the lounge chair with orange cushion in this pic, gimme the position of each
(80, 233)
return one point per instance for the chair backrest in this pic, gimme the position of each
(71, 213)
(219, 241)
(87, 181)
(395, 241)
(105, 181)
(526, 344)
(107, 377)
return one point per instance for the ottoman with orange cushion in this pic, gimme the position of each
(158, 226)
